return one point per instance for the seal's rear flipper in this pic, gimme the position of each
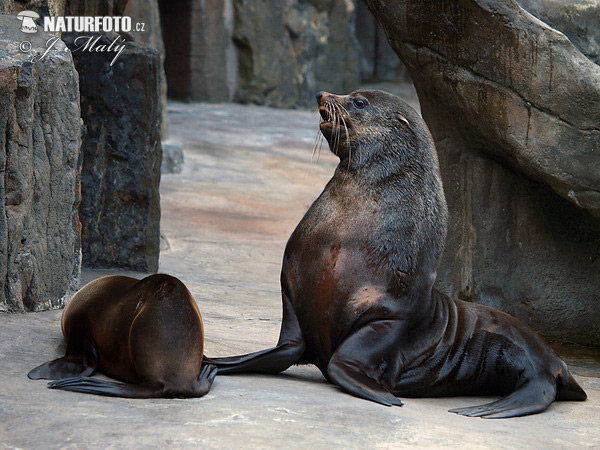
(356, 366)
(568, 388)
(90, 385)
(532, 397)
(289, 350)
(65, 367)
(204, 381)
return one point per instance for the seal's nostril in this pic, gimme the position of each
(319, 96)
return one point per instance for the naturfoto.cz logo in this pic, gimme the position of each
(79, 24)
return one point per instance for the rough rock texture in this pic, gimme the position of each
(513, 108)
(200, 57)
(274, 52)
(270, 52)
(147, 13)
(579, 20)
(288, 50)
(120, 106)
(172, 157)
(92, 7)
(40, 138)
(378, 59)
(40, 6)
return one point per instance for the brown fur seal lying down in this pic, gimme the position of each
(358, 274)
(147, 333)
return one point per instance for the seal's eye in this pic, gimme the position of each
(360, 103)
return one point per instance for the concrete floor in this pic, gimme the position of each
(247, 181)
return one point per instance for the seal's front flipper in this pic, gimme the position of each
(288, 351)
(90, 385)
(366, 363)
(533, 397)
(66, 367)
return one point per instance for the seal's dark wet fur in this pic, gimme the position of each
(358, 274)
(148, 333)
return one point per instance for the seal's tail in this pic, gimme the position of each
(567, 387)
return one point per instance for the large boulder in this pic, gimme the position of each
(274, 52)
(378, 59)
(200, 58)
(288, 50)
(147, 13)
(121, 150)
(578, 20)
(513, 107)
(40, 138)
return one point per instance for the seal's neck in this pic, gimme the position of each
(404, 192)
(396, 165)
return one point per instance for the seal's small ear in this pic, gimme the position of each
(402, 119)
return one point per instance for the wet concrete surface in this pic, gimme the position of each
(247, 180)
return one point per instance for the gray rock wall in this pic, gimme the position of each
(288, 50)
(513, 108)
(40, 138)
(200, 58)
(121, 150)
(579, 20)
(147, 12)
(274, 52)
(378, 59)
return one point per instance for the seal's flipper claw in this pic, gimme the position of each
(355, 365)
(288, 351)
(90, 385)
(531, 398)
(66, 367)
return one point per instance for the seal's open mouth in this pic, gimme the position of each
(335, 125)
(325, 114)
(333, 117)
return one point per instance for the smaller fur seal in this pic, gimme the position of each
(147, 333)
(358, 273)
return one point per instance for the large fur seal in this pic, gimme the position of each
(358, 274)
(146, 332)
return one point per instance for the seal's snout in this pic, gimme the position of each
(322, 97)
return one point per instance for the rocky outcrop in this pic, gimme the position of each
(200, 59)
(147, 13)
(172, 159)
(91, 7)
(120, 103)
(278, 53)
(288, 50)
(513, 107)
(378, 59)
(40, 138)
(273, 52)
(578, 20)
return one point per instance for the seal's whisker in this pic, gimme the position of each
(348, 147)
(336, 127)
(319, 147)
(317, 140)
(330, 106)
(341, 109)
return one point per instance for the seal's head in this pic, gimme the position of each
(363, 124)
